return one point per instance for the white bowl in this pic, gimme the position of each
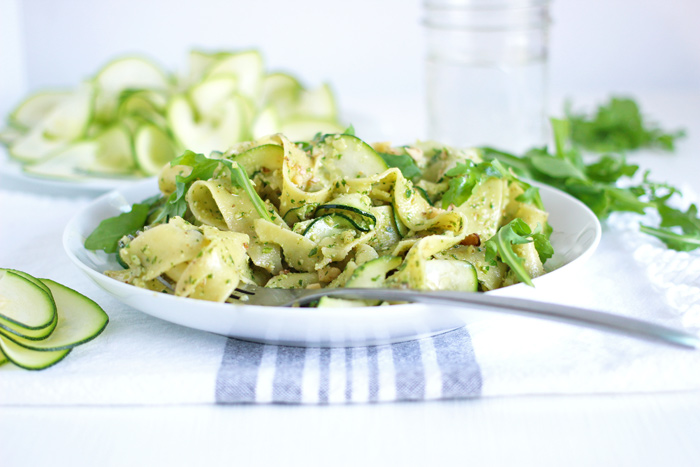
(575, 237)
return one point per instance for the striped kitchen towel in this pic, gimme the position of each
(142, 360)
(442, 366)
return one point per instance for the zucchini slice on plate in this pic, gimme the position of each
(201, 134)
(153, 148)
(33, 109)
(247, 67)
(67, 121)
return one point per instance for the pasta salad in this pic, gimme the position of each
(334, 211)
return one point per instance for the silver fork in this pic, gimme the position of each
(252, 295)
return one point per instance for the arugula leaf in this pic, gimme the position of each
(531, 196)
(308, 146)
(240, 178)
(610, 168)
(517, 232)
(464, 177)
(107, 234)
(403, 162)
(619, 125)
(672, 220)
(674, 240)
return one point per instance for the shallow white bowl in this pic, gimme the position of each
(576, 236)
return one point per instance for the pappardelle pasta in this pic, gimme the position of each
(335, 212)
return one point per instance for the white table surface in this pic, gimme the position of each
(616, 430)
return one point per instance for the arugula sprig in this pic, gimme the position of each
(619, 125)
(517, 232)
(404, 162)
(108, 233)
(464, 178)
(605, 185)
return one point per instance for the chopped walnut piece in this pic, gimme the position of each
(471, 240)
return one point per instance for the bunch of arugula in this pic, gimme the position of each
(160, 209)
(618, 126)
(606, 185)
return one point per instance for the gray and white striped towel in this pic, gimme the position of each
(142, 360)
(443, 366)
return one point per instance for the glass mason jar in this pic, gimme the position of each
(486, 72)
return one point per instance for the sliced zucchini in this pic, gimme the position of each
(206, 136)
(79, 320)
(35, 108)
(490, 275)
(318, 103)
(282, 92)
(346, 156)
(299, 214)
(34, 146)
(294, 280)
(247, 67)
(329, 225)
(63, 163)
(207, 96)
(145, 103)
(355, 206)
(66, 122)
(200, 62)
(153, 148)
(11, 134)
(401, 228)
(33, 334)
(70, 118)
(372, 274)
(122, 74)
(131, 73)
(267, 122)
(23, 303)
(8, 329)
(30, 359)
(447, 274)
(264, 157)
(114, 152)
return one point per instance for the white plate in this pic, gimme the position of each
(575, 237)
(12, 170)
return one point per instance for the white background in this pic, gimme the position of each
(371, 51)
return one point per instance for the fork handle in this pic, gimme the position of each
(524, 307)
